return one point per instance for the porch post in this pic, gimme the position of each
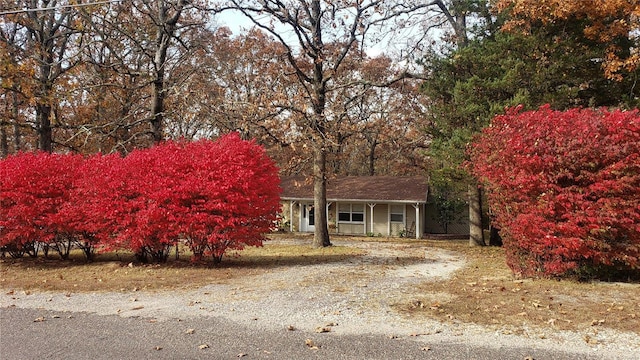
(337, 217)
(388, 219)
(418, 231)
(302, 214)
(291, 202)
(371, 206)
(364, 220)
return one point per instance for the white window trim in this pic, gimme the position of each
(351, 212)
(404, 213)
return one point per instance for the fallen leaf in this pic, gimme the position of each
(241, 355)
(158, 347)
(426, 348)
(291, 328)
(203, 346)
(40, 319)
(321, 329)
(190, 331)
(589, 340)
(535, 304)
(55, 316)
(311, 345)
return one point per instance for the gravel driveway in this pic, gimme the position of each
(325, 303)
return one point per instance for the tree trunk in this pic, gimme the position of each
(43, 105)
(157, 118)
(4, 142)
(372, 158)
(476, 234)
(321, 233)
(43, 124)
(165, 30)
(494, 236)
(17, 137)
(157, 106)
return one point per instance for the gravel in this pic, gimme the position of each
(342, 299)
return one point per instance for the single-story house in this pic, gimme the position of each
(359, 205)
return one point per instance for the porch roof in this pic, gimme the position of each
(373, 189)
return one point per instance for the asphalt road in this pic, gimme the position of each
(42, 334)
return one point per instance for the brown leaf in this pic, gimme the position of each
(311, 344)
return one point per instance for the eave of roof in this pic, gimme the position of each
(366, 189)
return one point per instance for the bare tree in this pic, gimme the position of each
(47, 33)
(142, 54)
(319, 36)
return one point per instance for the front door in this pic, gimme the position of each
(308, 218)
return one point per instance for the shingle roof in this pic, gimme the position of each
(360, 188)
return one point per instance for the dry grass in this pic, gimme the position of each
(486, 293)
(120, 272)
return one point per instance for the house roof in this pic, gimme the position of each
(407, 189)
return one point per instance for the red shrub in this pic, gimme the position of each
(228, 195)
(34, 189)
(564, 187)
(214, 195)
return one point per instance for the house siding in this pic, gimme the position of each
(380, 218)
(381, 224)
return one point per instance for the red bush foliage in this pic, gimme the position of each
(35, 188)
(564, 187)
(213, 195)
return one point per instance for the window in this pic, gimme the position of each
(397, 213)
(351, 213)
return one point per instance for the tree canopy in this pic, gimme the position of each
(614, 23)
